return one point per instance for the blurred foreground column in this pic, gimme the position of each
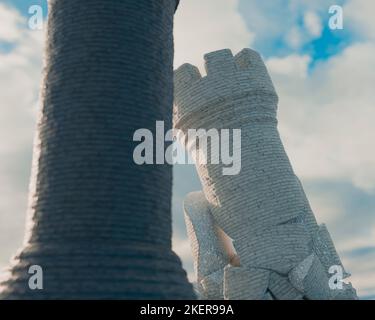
(100, 225)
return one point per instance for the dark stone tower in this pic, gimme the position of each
(100, 225)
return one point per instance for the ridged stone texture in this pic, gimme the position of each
(263, 209)
(100, 225)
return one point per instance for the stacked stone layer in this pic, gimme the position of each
(210, 257)
(264, 208)
(100, 225)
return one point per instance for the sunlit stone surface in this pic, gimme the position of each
(283, 252)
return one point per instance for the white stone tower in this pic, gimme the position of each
(283, 252)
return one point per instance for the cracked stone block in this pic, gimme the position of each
(242, 283)
(325, 249)
(210, 253)
(282, 289)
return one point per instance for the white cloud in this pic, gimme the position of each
(362, 267)
(294, 65)
(297, 36)
(359, 16)
(20, 71)
(313, 23)
(293, 22)
(327, 207)
(181, 246)
(294, 37)
(10, 24)
(327, 119)
(205, 26)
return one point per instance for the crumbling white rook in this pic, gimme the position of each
(283, 253)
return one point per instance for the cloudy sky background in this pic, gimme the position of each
(325, 80)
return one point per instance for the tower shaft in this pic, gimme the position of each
(100, 225)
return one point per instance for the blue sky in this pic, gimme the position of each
(24, 5)
(324, 79)
(329, 43)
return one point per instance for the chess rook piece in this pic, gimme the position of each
(283, 252)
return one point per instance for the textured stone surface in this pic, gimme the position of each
(282, 289)
(279, 248)
(99, 225)
(264, 208)
(245, 283)
(208, 250)
(325, 249)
